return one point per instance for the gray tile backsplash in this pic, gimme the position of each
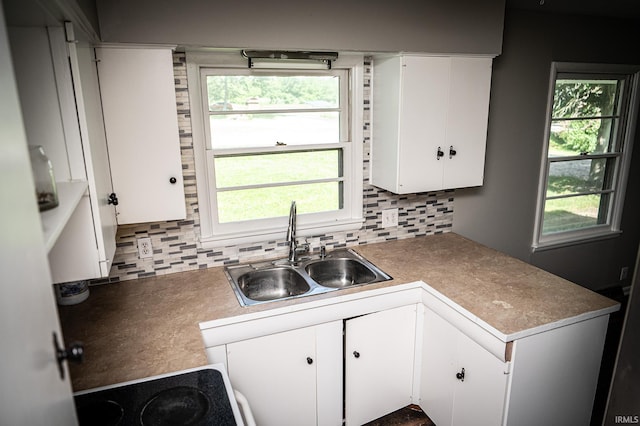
(175, 243)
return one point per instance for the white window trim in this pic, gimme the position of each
(306, 226)
(595, 233)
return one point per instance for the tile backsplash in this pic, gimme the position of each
(175, 243)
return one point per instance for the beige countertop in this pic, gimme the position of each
(145, 327)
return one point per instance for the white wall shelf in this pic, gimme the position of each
(54, 220)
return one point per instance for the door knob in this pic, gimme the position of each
(74, 353)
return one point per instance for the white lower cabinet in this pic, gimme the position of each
(386, 357)
(462, 383)
(379, 358)
(291, 378)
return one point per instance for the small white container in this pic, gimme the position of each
(71, 293)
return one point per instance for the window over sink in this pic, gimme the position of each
(266, 137)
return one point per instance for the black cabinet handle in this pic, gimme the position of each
(452, 151)
(172, 180)
(439, 154)
(309, 360)
(460, 375)
(356, 354)
(112, 199)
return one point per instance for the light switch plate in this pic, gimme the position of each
(389, 218)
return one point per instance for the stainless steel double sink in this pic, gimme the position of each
(268, 281)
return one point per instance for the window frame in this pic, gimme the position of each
(620, 153)
(214, 234)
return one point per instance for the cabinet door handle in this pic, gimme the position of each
(309, 360)
(356, 354)
(460, 375)
(452, 152)
(112, 199)
(172, 180)
(439, 154)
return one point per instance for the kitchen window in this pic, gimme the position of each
(267, 137)
(589, 136)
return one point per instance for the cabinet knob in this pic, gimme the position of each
(309, 360)
(356, 354)
(440, 153)
(452, 151)
(460, 375)
(172, 180)
(112, 199)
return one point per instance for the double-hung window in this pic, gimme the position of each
(275, 136)
(589, 134)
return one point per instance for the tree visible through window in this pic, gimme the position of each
(584, 154)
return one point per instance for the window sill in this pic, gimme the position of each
(279, 234)
(560, 243)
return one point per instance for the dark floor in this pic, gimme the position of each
(411, 415)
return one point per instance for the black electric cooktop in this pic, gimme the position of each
(189, 398)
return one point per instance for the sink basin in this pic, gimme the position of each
(266, 281)
(340, 273)
(272, 284)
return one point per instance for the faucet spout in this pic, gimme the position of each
(291, 233)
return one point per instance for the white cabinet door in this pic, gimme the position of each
(423, 119)
(291, 378)
(430, 122)
(461, 383)
(469, 90)
(379, 361)
(141, 122)
(95, 148)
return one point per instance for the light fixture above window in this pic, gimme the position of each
(289, 59)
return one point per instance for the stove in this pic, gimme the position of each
(199, 396)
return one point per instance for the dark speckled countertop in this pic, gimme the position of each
(145, 327)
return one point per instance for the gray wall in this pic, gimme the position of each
(462, 26)
(501, 214)
(625, 391)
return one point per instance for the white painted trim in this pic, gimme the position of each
(596, 233)
(352, 216)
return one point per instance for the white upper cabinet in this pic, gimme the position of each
(141, 123)
(429, 122)
(61, 110)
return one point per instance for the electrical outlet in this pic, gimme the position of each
(144, 248)
(624, 273)
(389, 218)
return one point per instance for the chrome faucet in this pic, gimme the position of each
(291, 237)
(291, 233)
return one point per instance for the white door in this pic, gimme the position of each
(277, 375)
(85, 79)
(31, 391)
(141, 122)
(423, 117)
(480, 398)
(461, 383)
(464, 151)
(379, 358)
